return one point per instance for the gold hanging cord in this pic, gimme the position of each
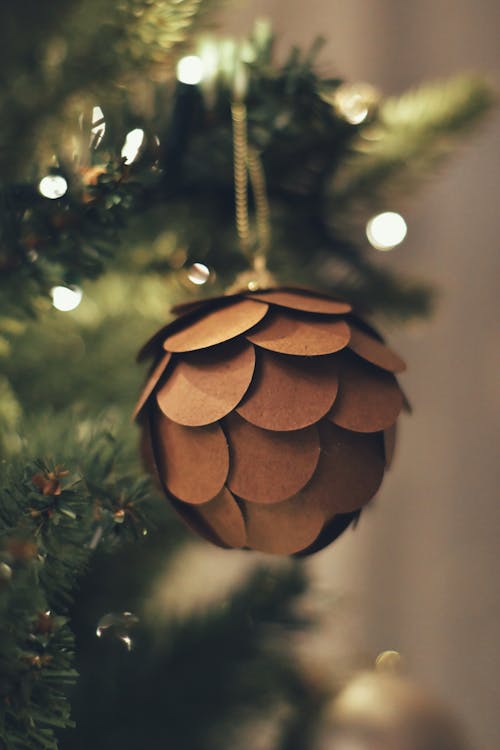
(247, 164)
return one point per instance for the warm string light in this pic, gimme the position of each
(190, 70)
(198, 274)
(53, 186)
(386, 230)
(66, 298)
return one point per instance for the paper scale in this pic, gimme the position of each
(269, 418)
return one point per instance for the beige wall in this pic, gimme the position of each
(422, 573)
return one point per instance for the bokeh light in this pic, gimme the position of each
(355, 101)
(66, 298)
(53, 186)
(198, 274)
(190, 70)
(386, 230)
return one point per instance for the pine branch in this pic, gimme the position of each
(51, 521)
(72, 53)
(409, 138)
(185, 186)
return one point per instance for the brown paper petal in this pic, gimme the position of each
(197, 304)
(350, 470)
(151, 382)
(154, 345)
(369, 399)
(146, 450)
(224, 517)
(288, 393)
(204, 386)
(217, 326)
(389, 444)
(188, 312)
(283, 528)
(330, 532)
(288, 332)
(194, 461)
(268, 467)
(190, 516)
(302, 301)
(375, 351)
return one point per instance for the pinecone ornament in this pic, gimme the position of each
(269, 417)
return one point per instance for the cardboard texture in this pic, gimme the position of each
(288, 393)
(209, 302)
(267, 467)
(303, 301)
(304, 335)
(349, 472)
(217, 326)
(151, 382)
(375, 351)
(193, 462)
(223, 515)
(206, 385)
(194, 521)
(284, 528)
(270, 418)
(369, 399)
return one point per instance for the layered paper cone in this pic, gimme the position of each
(269, 417)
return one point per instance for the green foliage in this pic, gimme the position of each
(323, 173)
(201, 678)
(127, 233)
(71, 52)
(51, 520)
(411, 136)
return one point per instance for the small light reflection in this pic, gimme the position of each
(132, 145)
(118, 625)
(98, 128)
(198, 274)
(355, 101)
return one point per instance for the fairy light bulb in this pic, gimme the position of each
(386, 230)
(66, 298)
(53, 186)
(198, 274)
(190, 70)
(132, 145)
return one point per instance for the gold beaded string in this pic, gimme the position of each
(240, 158)
(262, 215)
(247, 164)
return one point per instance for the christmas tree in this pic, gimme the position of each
(117, 189)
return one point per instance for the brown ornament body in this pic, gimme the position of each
(269, 417)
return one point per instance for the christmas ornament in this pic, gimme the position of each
(390, 711)
(269, 417)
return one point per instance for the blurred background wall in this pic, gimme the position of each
(422, 572)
